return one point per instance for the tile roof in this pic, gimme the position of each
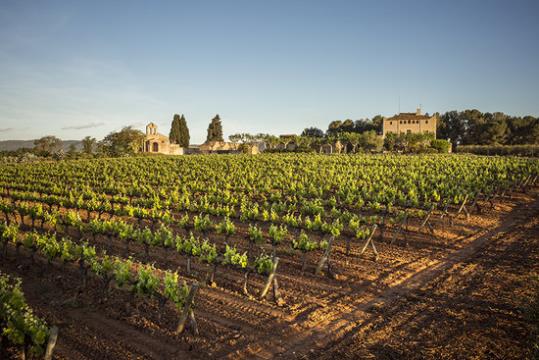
(408, 116)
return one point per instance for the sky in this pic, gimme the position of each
(78, 68)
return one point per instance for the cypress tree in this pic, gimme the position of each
(175, 130)
(215, 130)
(184, 133)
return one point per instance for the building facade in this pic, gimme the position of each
(409, 123)
(157, 143)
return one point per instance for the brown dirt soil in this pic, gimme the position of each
(458, 294)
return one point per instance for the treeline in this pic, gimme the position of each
(125, 142)
(468, 127)
(529, 150)
(472, 127)
(337, 127)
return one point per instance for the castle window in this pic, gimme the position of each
(426, 121)
(409, 121)
(391, 123)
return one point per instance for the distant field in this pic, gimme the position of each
(378, 255)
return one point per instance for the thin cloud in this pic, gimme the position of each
(137, 125)
(81, 127)
(6, 129)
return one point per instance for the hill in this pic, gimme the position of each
(12, 145)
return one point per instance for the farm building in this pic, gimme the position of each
(218, 147)
(157, 143)
(410, 123)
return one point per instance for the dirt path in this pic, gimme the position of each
(355, 318)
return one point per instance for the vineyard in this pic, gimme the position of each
(235, 256)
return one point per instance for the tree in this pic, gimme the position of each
(370, 141)
(363, 125)
(452, 125)
(184, 133)
(347, 126)
(520, 130)
(474, 122)
(237, 138)
(334, 127)
(215, 130)
(47, 145)
(312, 132)
(72, 151)
(88, 145)
(494, 130)
(377, 123)
(174, 135)
(127, 141)
(272, 141)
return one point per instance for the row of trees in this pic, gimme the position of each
(125, 142)
(179, 132)
(366, 141)
(468, 127)
(472, 127)
(118, 143)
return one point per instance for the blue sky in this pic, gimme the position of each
(77, 68)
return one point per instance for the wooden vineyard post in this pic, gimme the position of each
(272, 282)
(269, 281)
(187, 312)
(245, 281)
(324, 260)
(276, 293)
(426, 221)
(370, 241)
(193, 322)
(463, 207)
(445, 213)
(210, 280)
(53, 336)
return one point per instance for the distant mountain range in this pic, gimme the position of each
(12, 145)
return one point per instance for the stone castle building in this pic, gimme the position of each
(409, 123)
(157, 143)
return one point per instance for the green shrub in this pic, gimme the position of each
(441, 146)
(514, 150)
